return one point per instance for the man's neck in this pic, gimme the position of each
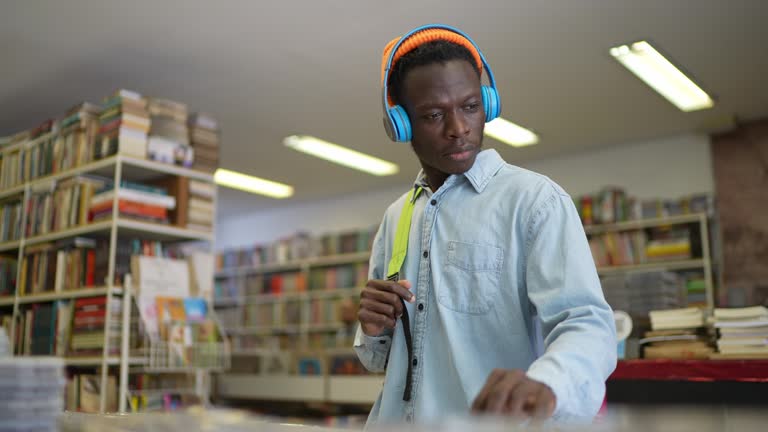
(435, 178)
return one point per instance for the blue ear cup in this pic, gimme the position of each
(399, 125)
(491, 103)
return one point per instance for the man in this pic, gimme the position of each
(498, 307)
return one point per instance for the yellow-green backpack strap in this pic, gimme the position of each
(400, 248)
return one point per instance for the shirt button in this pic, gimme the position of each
(425, 254)
(382, 342)
(421, 307)
(433, 202)
(415, 362)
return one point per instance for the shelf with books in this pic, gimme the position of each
(272, 387)
(653, 266)
(12, 192)
(66, 295)
(86, 361)
(644, 223)
(283, 297)
(655, 263)
(147, 230)
(10, 246)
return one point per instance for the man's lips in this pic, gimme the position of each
(461, 155)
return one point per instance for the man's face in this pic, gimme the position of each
(445, 106)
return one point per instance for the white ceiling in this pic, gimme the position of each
(271, 69)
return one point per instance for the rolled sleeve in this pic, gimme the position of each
(372, 350)
(577, 323)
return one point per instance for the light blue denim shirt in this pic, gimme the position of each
(503, 278)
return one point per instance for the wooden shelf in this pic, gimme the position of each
(664, 265)
(16, 190)
(96, 360)
(71, 232)
(9, 245)
(134, 169)
(147, 230)
(644, 223)
(64, 295)
(354, 389)
(7, 300)
(271, 387)
(325, 388)
(296, 265)
(160, 232)
(283, 297)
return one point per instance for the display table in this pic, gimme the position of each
(689, 381)
(692, 370)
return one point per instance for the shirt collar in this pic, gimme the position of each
(487, 164)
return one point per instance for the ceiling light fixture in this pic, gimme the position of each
(656, 71)
(236, 180)
(340, 155)
(510, 133)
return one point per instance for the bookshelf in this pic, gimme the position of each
(679, 243)
(300, 321)
(23, 179)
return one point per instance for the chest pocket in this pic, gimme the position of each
(470, 277)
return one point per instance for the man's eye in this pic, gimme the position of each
(472, 107)
(433, 116)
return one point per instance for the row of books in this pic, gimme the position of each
(239, 290)
(83, 393)
(67, 328)
(637, 247)
(8, 272)
(125, 123)
(297, 247)
(10, 224)
(613, 204)
(160, 392)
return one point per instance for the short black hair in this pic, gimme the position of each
(439, 51)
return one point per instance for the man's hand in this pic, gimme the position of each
(380, 305)
(510, 392)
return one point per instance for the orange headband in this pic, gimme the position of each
(422, 37)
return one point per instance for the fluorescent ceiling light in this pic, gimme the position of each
(236, 180)
(340, 155)
(510, 133)
(656, 71)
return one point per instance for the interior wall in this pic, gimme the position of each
(741, 180)
(664, 168)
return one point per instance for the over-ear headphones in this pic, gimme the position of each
(396, 121)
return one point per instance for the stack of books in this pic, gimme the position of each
(124, 126)
(676, 334)
(204, 134)
(169, 137)
(76, 142)
(743, 332)
(31, 392)
(201, 209)
(135, 201)
(88, 326)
